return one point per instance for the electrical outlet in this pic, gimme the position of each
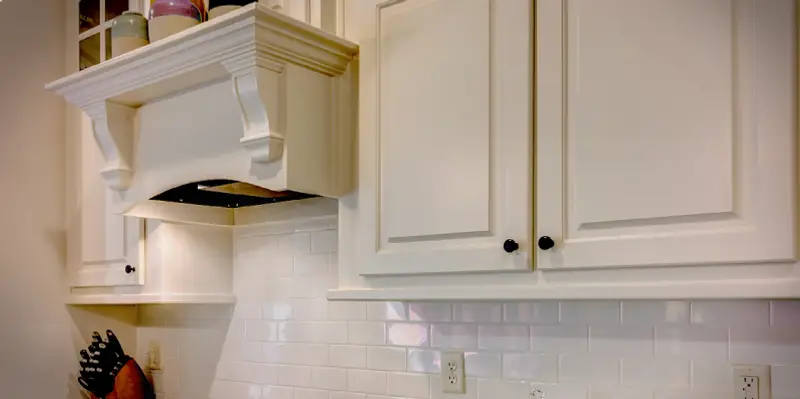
(154, 354)
(453, 372)
(751, 382)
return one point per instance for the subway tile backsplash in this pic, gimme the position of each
(283, 340)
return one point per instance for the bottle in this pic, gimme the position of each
(168, 17)
(217, 8)
(128, 32)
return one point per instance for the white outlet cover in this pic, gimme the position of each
(758, 371)
(453, 372)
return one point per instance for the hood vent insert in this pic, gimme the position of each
(227, 194)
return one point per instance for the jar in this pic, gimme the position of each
(217, 8)
(128, 32)
(168, 17)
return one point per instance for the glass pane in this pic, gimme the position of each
(108, 44)
(115, 8)
(89, 11)
(90, 51)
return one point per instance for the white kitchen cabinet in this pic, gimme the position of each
(661, 162)
(111, 245)
(444, 154)
(665, 132)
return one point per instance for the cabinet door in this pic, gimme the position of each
(665, 131)
(109, 241)
(444, 134)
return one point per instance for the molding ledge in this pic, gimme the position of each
(253, 47)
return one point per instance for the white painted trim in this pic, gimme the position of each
(736, 289)
(140, 299)
(242, 46)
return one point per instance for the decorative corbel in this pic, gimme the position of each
(113, 129)
(259, 85)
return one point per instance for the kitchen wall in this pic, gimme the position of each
(283, 340)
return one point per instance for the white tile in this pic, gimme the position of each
(503, 337)
(166, 383)
(408, 385)
(589, 370)
(274, 352)
(347, 395)
(304, 354)
(347, 310)
(659, 373)
(276, 310)
(349, 356)
(483, 364)
(621, 341)
(496, 389)
(479, 312)
(310, 309)
(765, 345)
(250, 352)
(297, 376)
(785, 313)
(688, 341)
(238, 390)
(655, 312)
(296, 243)
(531, 312)
(560, 339)
(386, 358)
(424, 361)
(729, 313)
(590, 312)
(391, 311)
(260, 331)
(619, 393)
(331, 378)
(311, 265)
(712, 375)
(786, 381)
(312, 331)
(324, 241)
(692, 395)
(247, 310)
(561, 391)
(530, 366)
(366, 381)
(407, 334)
(366, 333)
(463, 336)
(256, 373)
(302, 393)
(430, 311)
(436, 389)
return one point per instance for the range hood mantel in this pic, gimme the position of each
(265, 55)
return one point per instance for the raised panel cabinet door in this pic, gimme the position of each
(109, 241)
(665, 132)
(445, 134)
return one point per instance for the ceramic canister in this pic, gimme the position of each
(217, 8)
(128, 32)
(168, 17)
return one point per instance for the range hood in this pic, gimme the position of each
(246, 110)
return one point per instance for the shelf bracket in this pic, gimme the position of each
(112, 124)
(259, 85)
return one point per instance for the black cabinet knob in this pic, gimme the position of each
(129, 269)
(510, 246)
(546, 243)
